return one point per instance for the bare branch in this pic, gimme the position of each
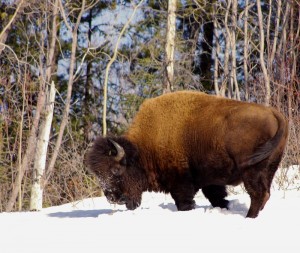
(113, 58)
(4, 33)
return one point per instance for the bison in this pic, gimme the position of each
(182, 142)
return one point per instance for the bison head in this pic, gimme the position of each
(114, 162)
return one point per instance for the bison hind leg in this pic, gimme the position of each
(258, 202)
(257, 184)
(216, 195)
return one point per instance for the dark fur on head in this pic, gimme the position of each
(121, 181)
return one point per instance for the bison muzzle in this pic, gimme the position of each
(182, 142)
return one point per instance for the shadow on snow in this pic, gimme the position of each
(235, 207)
(82, 213)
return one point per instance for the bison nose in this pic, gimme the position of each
(122, 199)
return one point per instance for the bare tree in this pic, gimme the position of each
(233, 50)
(73, 29)
(24, 162)
(262, 53)
(246, 50)
(216, 51)
(227, 36)
(28, 156)
(39, 165)
(36, 201)
(170, 46)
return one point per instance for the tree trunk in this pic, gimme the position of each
(170, 46)
(274, 46)
(36, 201)
(216, 52)
(206, 56)
(27, 158)
(233, 51)
(225, 80)
(39, 166)
(246, 50)
(261, 53)
(65, 117)
(88, 99)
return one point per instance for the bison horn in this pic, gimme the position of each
(120, 151)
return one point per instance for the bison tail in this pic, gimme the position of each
(265, 151)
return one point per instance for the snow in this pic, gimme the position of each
(93, 225)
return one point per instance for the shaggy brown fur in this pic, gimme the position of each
(181, 142)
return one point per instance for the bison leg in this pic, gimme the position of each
(184, 197)
(216, 195)
(258, 182)
(258, 202)
(257, 185)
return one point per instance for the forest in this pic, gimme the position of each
(86, 66)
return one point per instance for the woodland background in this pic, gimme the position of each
(246, 50)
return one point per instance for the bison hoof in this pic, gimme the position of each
(131, 205)
(222, 203)
(186, 206)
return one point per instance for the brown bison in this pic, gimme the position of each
(181, 142)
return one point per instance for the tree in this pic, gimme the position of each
(24, 161)
(36, 201)
(45, 72)
(73, 29)
(261, 53)
(170, 46)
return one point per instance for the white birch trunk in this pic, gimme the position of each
(216, 52)
(36, 201)
(31, 143)
(235, 86)
(170, 46)
(261, 53)
(246, 50)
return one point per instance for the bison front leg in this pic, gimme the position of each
(184, 197)
(216, 195)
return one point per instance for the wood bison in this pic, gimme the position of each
(181, 142)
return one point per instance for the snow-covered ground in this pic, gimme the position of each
(93, 225)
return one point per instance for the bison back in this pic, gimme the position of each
(178, 129)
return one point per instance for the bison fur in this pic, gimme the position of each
(182, 142)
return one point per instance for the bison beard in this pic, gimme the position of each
(185, 141)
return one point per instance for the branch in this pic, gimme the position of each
(113, 58)
(4, 33)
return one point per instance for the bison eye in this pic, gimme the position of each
(118, 170)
